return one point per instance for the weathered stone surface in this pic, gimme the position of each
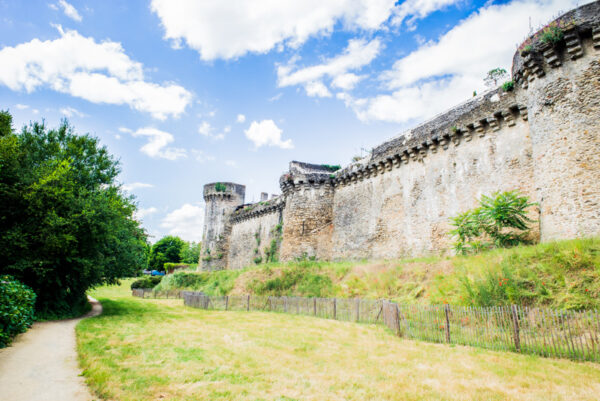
(542, 139)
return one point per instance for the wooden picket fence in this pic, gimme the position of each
(540, 331)
(149, 293)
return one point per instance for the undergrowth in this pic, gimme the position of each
(563, 275)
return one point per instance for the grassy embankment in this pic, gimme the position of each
(146, 349)
(564, 275)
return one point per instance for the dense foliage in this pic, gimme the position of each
(65, 225)
(190, 253)
(146, 282)
(17, 302)
(166, 250)
(499, 221)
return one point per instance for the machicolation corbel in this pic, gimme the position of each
(573, 43)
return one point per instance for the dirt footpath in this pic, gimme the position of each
(41, 364)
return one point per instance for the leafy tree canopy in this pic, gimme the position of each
(166, 250)
(65, 225)
(191, 252)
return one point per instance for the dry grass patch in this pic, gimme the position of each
(159, 349)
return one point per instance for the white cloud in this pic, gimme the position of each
(125, 130)
(418, 9)
(442, 73)
(229, 29)
(205, 129)
(241, 118)
(69, 10)
(316, 89)
(156, 146)
(70, 112)
(186, 222)
(136, 185)
(21, 106)
(357, 54)
(141, 213)
(266, 133)
(97, 72)
(231, 163)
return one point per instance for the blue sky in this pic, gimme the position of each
(188, 92)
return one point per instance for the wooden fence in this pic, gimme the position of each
(540, 331)
(149, 293)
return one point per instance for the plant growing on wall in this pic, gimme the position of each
(220, 187)
(494, 76)
(500, 221)
(508, 86)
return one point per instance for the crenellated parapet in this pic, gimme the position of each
(543, 52)
(257, 210)
(304, 176)
(470, 121)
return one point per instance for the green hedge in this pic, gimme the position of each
(17, 302)
(146, 282)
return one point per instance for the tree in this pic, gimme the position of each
(166, 250)
(191, 252)
(494, 76)
(65, 224)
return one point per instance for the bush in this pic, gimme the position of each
(303, 279)
(500, 221)
(17, 303)
(211, 283)
(146, 282)
(508, 86)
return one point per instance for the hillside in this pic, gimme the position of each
(563, 275)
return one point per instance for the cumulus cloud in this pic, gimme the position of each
(68, 9)
(83, 68)
(156, 146)
(267, 133)
(141, 213)
(230, 29)
(357, 54)
(136, 185)
(22, 106)
(441, 73)
(185, 222)
(241, 118)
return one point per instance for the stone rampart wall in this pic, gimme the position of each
(252, 231)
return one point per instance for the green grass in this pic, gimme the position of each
(563, 275)
(158, 349)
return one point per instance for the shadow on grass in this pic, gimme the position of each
(124, 307)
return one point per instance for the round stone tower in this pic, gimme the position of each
(221, 200)
(560, 85)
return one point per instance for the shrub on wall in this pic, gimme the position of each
(17, 303)
(500, 221)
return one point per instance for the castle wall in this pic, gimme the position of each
(308, 217)
(542, 139)
(251, 233)
(564, 110)
(404, 209)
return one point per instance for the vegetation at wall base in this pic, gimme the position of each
(66, 224)
(168, 249)
(500, 221)
(560, 275)
(17, 306)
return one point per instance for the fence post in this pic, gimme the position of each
(315, 306)
(285, 304)
(447, 311)
(515, 319)
(397, 320)
(357, 303)
(334, 308)
(248, 304)
(226, 301)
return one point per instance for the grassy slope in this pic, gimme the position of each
(563, 274)
(150, 349)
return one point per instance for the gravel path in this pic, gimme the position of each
(41, 364)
